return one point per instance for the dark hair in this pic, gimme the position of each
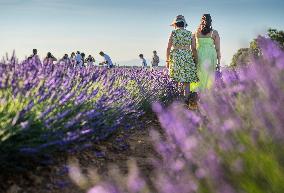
(49, 55)
(155, 51)
(206, 24)
(180, 24)
(34, 51)
(102, 53)
(141, 55)
(90, 59)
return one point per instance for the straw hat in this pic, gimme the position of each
(179, 18)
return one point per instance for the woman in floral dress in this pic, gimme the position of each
(180, 60)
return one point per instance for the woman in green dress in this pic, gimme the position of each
(208, 52)
(180, 60)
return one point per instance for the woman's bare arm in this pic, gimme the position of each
(193, 48)
(216, 38)
(170, 44)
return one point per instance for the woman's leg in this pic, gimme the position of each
(186, 92)
(190, 97)
(193, 100)
(186, 87)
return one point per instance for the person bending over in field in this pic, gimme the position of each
(107, 60)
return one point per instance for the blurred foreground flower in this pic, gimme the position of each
(235, 143)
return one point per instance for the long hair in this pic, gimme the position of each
(180, 24)
(206, 24)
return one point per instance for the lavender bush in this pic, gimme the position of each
(50, 107)
(234, 144)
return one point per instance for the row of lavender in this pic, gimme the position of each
(235, 143)
(45, 107)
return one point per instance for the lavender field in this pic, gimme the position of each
(232, 144)
(48, 108)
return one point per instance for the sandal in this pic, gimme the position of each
(192, 103)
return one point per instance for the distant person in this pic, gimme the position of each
(107, 60)
(34, 56)
(90, 60)
(208, 52)
(79, 59)
(49, 59)
(180, 61)
(73, 59)
(83, 58)
(66, 60)
(155, 59)
(144, 62)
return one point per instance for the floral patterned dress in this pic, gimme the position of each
(182, 67)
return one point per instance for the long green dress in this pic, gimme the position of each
(182, 67)
(207, 61)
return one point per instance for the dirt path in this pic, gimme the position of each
(117, 151)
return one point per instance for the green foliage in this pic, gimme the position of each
(277, 35)
(243, 55)
(254, 48)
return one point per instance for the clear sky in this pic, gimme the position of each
(125, 28)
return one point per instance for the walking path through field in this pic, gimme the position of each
(117, 150)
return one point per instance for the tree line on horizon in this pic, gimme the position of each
(244, 55)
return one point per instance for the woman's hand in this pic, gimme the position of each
(195, 61)
(170, 44)
(218, 66)
(165, 71)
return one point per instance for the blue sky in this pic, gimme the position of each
(125, 28)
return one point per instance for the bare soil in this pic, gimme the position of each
(117, 150)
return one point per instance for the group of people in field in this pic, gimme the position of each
(79, 59)
(75, 60)
(155, 60)
(193, 58)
